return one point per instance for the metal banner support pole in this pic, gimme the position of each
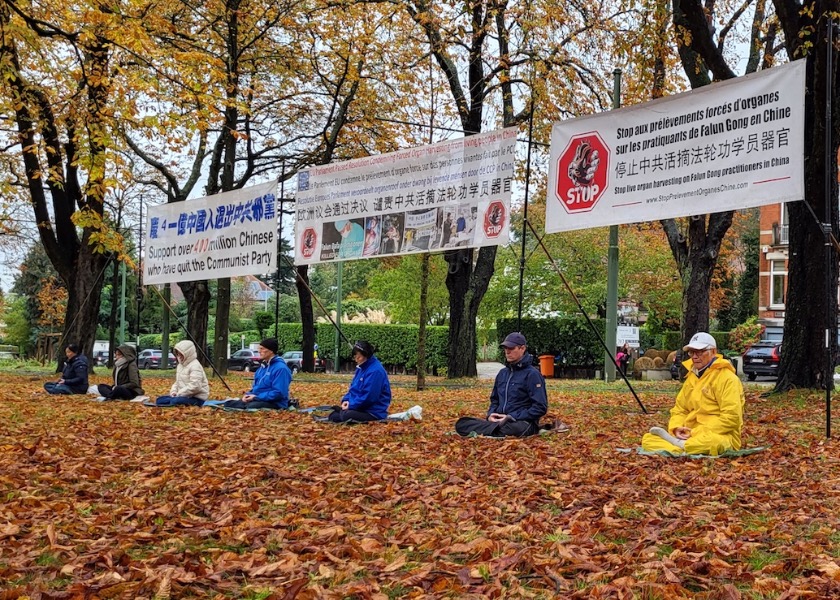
(612, 269)
(831, 315)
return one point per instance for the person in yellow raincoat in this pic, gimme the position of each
(709, 412)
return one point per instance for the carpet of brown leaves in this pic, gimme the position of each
(116, 500)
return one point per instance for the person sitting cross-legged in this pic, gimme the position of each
(191, 387)
(271, 381)
(369, 395)
(126, 376)
(74, 375)
(518, 399)
(709, 411)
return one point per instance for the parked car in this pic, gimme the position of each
(150, 359)
(294, 360)
(762, 358)
(100, 358)
(244, 360)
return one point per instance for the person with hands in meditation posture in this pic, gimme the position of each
(709, 412)
(518, 399)
(271, 381)
(369, 395)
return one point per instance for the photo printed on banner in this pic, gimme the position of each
(392, 232)
(428, 198)
(343, 239)
(373, 236)
(463, 231)
(420, 230)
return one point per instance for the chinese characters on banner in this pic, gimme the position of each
(229, 234)
(730, 145)
(432, 198)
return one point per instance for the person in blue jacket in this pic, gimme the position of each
(518, 399)
(271, 381)
(369, 395)
(74, 376)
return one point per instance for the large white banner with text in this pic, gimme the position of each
(730, 145)
(225, 235)
(426, 199)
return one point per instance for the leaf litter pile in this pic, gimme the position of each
(114, 500)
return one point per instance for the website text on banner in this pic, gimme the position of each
(425, 199)
(729, 145)
(229, 234)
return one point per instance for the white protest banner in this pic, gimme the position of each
(226, 235)
(730, 145)
(627, 334)
(429, 198)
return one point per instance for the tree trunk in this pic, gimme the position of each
(696, 257)
(220, 345)
(803, 355)
(197, 295)
(467, 285)
(112, 318)
(421, 333)
(307, 319)
(84, 288)
(811, 307)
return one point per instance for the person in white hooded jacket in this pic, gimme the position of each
(191, 387)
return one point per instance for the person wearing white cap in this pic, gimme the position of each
(709, 412)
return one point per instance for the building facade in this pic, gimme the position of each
(772, 268)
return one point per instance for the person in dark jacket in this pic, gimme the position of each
(271, 381)
(126, 376)
(518, 399)
(74, 376)
(369, 395)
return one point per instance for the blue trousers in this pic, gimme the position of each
(57, 388)
(340, 416)
(179, 401)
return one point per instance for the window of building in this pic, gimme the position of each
(784, 219)
(778, 283)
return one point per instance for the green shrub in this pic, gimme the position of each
(572, 337)
(744, 335)
(395, 344)
(670, 340)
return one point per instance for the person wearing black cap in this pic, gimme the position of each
(271, 381)
(369, 395)
(518, 399)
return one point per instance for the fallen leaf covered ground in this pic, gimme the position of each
(114, 500)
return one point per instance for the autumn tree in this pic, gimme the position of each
(802, 31)
(56, 67)
(276, 97)
(386, 283)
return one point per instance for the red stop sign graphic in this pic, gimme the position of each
(582, 172)
(494, 219)
(308, 242)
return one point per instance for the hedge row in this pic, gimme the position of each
(573, 339)
(395, 344)
(570, 337)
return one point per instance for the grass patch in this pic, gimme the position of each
(628, 512)
(48, 559)
(758, 559)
